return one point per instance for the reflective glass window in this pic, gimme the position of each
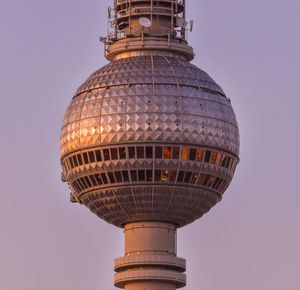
(140, 152)
(200, 153)
(187, 177)
(91, 156)
(228, 162)
(71, 162)
(82, 186)
(141, 174)
(207, 156)
(180, 176)
(200, 179)
(98, 179)
(118, 176)
(122, 153)
(158, 152)
(84, 183)
(213, 158)
(173, 175)
(104, 178)
(206, 179)
(75, 161)
(167, 152)
(194, 178)
(149, 152)
(184, 153)
(113, 153)
(125, 176)
(77, 186)
(88, 181)
(218, 161)
(66, 165)
(131, 152)
(79, 159)
(193, 152)
(221, 185)
(211, 180)
(98, 156)
(92, 178)
(85, 158)
(157, 175)
(133, 175)
(111, 177)
(106, 154)
(217, 180)
(175, 153)
(224, 158)
(149, 175)
(165, 175)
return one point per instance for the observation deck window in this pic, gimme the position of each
(98, 179)
(118, 176)
(133, 175)
(114, 153)
(75, 161)
(79, 159)
(85, 158)
(167, 152)
(131, 152)
(194, 178)
(207, 156)
(98, 156)
(149, 152)
(111, 177)
(91, 156)
(200, 179)
(122, 152)
(187, 177)
(104, 178)
(157, 175)
(165, 175)
(206, 179)
(94, 181)
(149, 175)
(140, 152)
(106, 154)
(184, 153)
(173, 174)
(200, 154)
(180, 176)
(71, 162)
(158, 152)
(125, 176)
(141, 174)
(213, 158)
(192, 155)
(175, 153)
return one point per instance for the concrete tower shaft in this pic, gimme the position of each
(150, 260)
(139, 27)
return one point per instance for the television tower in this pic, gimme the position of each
(149, 143)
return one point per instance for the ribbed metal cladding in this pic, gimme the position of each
(150, 101)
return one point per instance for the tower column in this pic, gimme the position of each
(150, 261)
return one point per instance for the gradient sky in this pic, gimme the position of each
(250, 241)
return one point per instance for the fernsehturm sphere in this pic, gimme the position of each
(149, 142)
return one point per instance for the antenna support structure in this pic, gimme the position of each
(144, 27)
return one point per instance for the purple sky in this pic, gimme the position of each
(250, 241)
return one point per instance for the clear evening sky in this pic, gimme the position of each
(250, 241)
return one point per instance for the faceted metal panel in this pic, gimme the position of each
(149, 100)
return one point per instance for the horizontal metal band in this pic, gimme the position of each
(150, 259)
(122, 278)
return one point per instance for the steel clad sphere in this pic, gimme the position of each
(149, 138)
